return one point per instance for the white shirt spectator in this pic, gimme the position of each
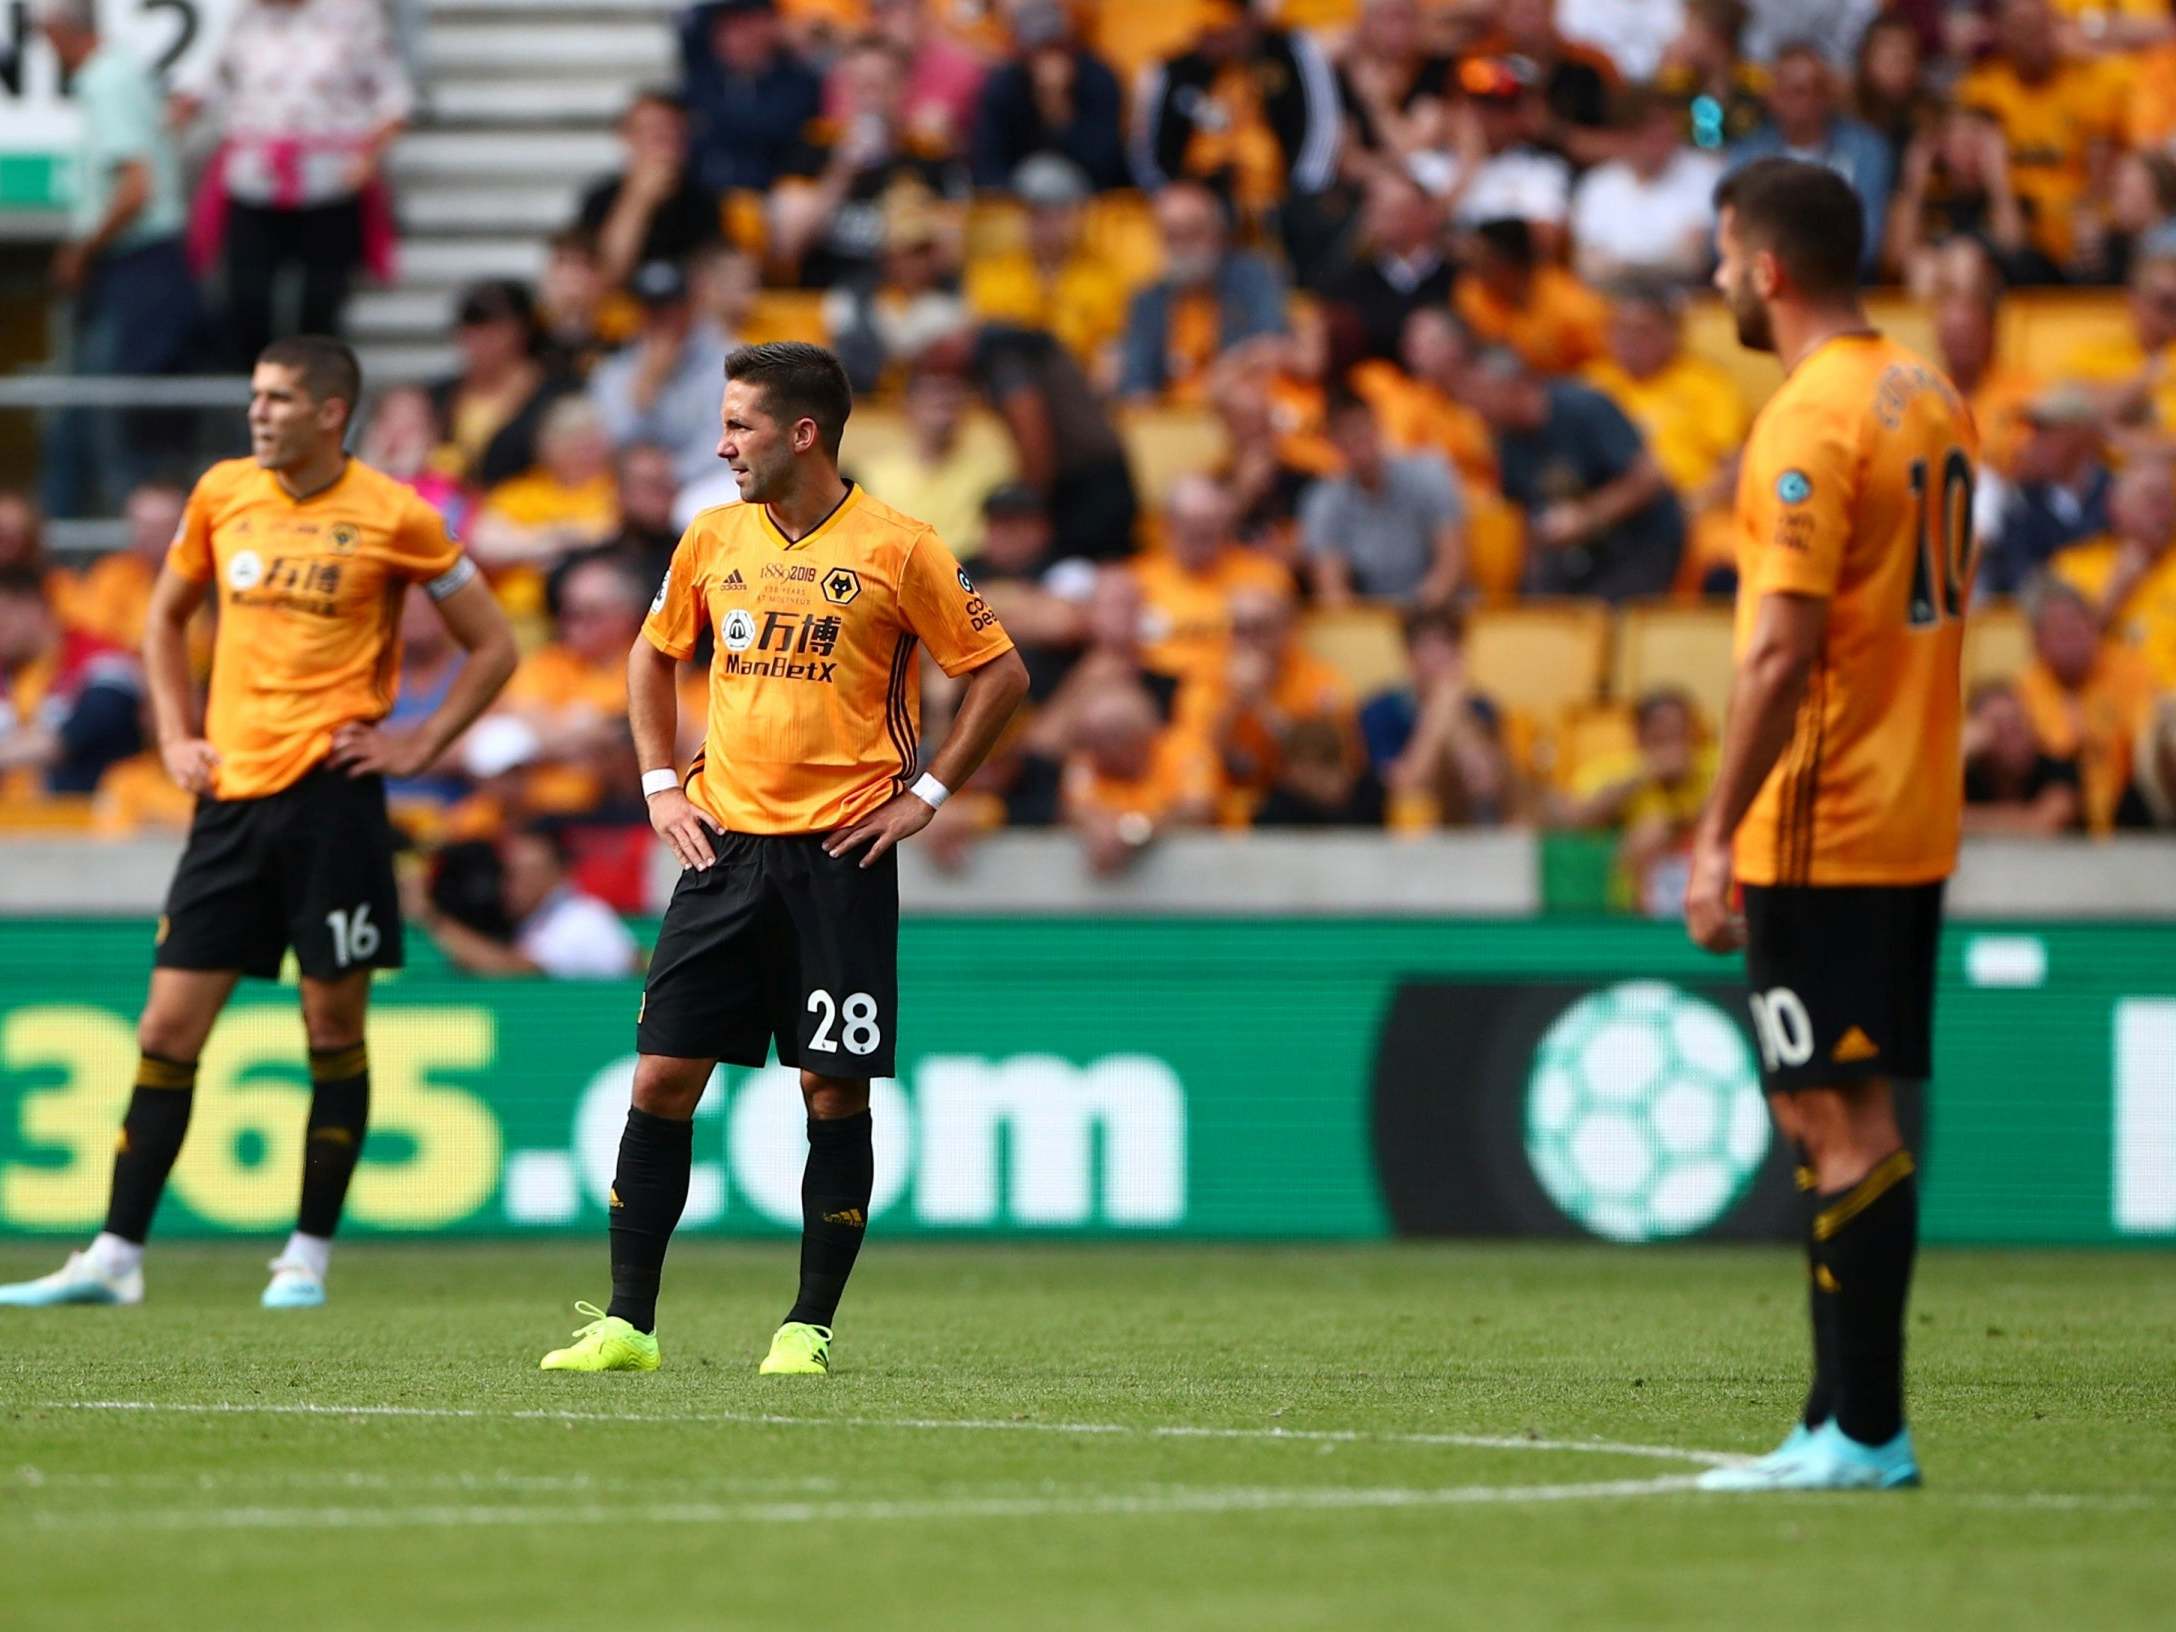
(1623, 224)
(573, 936)
(1635, 33)
(1521, 183)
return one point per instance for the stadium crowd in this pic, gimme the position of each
(1325, 392)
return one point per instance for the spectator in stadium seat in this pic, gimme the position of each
(2134, 375)
(571, 304)
(310, 94)
(2059, 118)
(1889, 92)
(1600, 517)
(662, 386)
(2058, 495)
(1509, 295)
(1210, 297)
(1063, 439)
(1956, 185)
(1689, 410)
(2141, 212)
(648, 483)
(572, 692)
(109, 598)
(1189, 587)
(22, 531)
(750, 96)
(1651, 211)
(1053, 281)
(1395, 93)
(1436, 744)
(2012, 783)
(945, 468)
(654, 209)
(1248, 111)
(1705, 73)
(1056, 99)
(827, 210)
(879, 318)
(1576, 81)
(557, 929)
(430, 659)
(1112, 657)
(70, 703)
(1259, 468)
(1272, 688)
(1402, 268)
(1130, 779)
(1417, 400)
(944, 78)
(403, 438)
(1389, 528)
(1804, 123)
(2089, 701)
(493, 408)
(1967, 290)
(1650, 795)
(568, 501)
(1495, 167)
(133, 304)
(725, 284)
(1040, 600)
(2130, 576)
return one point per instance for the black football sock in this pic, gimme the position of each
(649, 1190)
(151, 1135)
(1868, 1236)
(1820, 1306)
(333, 1143)
(835, 1189)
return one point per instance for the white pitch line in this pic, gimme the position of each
(765, 1419)
(1234, 1499)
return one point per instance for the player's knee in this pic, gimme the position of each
(830, 1098)
(667, 1087)
(171, 1035)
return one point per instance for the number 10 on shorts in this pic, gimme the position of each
(1785, 1028)
(860, 1033)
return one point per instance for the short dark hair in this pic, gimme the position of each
(1805, 215)
(657, 96)
(1445, 618)
(798, 381)
(1512, 238)
(1343, 400)
(21, 579)
(1652, 703)
(327, 366)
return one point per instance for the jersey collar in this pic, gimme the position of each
(838, 511)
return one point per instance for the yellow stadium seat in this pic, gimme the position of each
(1131, 34)
(874, 431)
(2042, 329)
(46, 813)
(1495, 544)
(1366, 644)
(1119, 229)
(1587, 735)
(1164, 444)
(1539, 657)
(1671, 643)
(788, 314)
(995, 226)
(1997, 643)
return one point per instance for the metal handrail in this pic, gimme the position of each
(33, 390)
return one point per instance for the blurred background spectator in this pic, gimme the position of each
(749, 94)
(551, 927)
(1055, 99)
(70, 704)
(662, 387)
(1389, 526)
(1210, 297)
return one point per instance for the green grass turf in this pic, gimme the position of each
(2043, 1393)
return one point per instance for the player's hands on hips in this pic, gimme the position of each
(899, 817)
(190, 761)
(685, 829)
(364, 750)
(1709, 917)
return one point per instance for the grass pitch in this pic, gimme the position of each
(1077, 1438)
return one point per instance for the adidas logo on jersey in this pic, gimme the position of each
(733, 580)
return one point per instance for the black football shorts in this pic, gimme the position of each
(309, 867)
(1843, 981)
(776, 940)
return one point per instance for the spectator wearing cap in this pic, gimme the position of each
(2129, 577)
(1651, 211)
(1688, 409)
(1210, 298)
(1805, 122)
(828, 208)
(2014, 783)
(1053, 281)
(1390, 527)
(1495, 167)
(1435, 743)
(880, 317)
(492, 409)
(662, 387)
(70, 704)
(748, 94)
(947, 466)
(1248, 111)
(1510, 295)
(557, 929)
(133, 305)
(1401, 268)
(1056, 99)
(1189, 587)
(654, 209)
(2058, 494)
(2088, 700)
(1600, 517)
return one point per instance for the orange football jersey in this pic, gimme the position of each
(309, 609)
(815, 691)
(1856, 487)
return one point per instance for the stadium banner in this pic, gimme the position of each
(1313, 1078)
(37, 118)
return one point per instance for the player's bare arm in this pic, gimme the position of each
(653, 714)
(190, 760)
(993, 693)
(1765, 695)
(473, 618)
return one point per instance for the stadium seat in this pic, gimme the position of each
(1495, 545)
(788, 314)
(1539, 657)
(1997, 643)
(1589, 733)
(996, 225)
(1670, 643)
(2041, 329)
(1118, 229)
(874, 430)
(1366, 644)
(1163, 444)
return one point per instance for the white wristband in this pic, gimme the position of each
(659, 781)
(930, 791)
